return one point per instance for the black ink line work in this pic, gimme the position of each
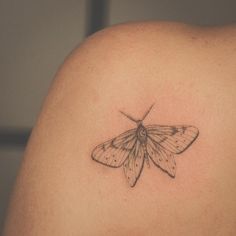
(136, 146)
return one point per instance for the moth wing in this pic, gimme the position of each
(114, 152)
(161, 157)
(174, 139)
(133, 165)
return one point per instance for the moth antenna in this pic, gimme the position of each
(147, 112)
(129, 117)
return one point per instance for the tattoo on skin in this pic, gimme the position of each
(135, 147)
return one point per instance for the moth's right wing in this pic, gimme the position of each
(175, 139)
(114, 152)
(164, 141)
(161, 157)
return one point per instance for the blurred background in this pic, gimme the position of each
(36, 36)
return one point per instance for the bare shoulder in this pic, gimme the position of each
(189, 73)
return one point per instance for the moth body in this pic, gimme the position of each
(142, 138)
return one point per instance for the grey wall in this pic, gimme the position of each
(37, 35)
(35, 38)
(203, 12)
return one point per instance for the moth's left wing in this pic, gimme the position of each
(114, 152)
(174, 139)
(133, 165)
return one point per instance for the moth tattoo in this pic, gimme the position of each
(134, 147)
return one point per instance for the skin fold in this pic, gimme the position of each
(189, 73)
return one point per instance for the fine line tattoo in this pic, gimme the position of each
(136, 146)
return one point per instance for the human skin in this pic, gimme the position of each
(189, 73)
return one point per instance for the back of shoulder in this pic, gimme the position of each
(189, 73)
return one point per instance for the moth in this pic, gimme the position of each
(135, 147)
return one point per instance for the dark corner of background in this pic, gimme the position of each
(97, 15)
